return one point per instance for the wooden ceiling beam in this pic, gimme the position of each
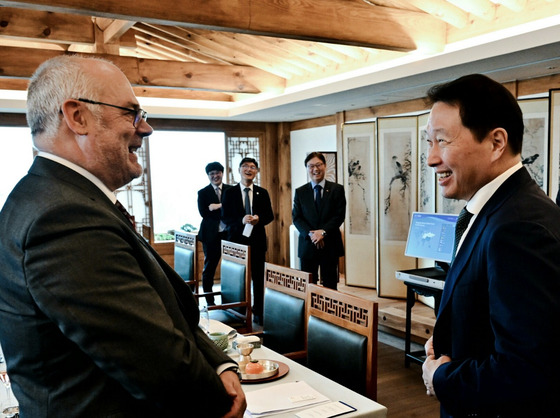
(443, 10)
(162, 51)
(228, 54)
(184, 94)
(356, 53)
(257, 48)
(299, 49)
(20, 62)
(173, 41)
(116, 29)
(513, 5)
(21, 84)
(44, 26)
(484, 9)
(348, 22)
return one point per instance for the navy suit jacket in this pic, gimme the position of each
(331, 215)
(233, 212)
(210, 224)
(93, 323)
(499, 317)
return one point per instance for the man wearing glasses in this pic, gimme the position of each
(93, 323)
(212, 228)
(319, 210)
(246, 210)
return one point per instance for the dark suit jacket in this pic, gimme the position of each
(233, 212)
(210, 224)
(331, 216)
(93, 322)
(500, 309)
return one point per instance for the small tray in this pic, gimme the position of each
(273, 370)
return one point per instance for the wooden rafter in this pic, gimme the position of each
(348, 22)
(21, 63)
(215, 49)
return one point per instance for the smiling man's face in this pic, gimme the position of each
(248, 172)
(316, 169)
(215, 177)
(462, 163)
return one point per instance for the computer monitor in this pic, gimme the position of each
(431, 236)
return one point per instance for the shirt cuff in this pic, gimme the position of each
(223, 367)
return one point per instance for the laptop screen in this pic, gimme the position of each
(431, 235)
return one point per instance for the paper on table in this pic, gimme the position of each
(283, 397)
(327, 410)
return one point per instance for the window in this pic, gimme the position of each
(177, 162)
(15, 159)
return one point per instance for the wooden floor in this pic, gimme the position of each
(401, 389)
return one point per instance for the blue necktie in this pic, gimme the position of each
(318, 197)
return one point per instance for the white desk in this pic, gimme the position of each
(335, 392)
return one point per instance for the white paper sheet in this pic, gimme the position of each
(328, 410)
(283, 397)
(247, 230)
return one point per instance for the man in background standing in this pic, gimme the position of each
(246, 210)
(212, 228)
(319, 210)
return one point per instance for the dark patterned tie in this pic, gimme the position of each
(318, 197)
(219, 194)
(461, 226)
(247, 201)
(125, 213)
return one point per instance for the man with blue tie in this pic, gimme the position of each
(212, 228)
(319, 210)
(246, 210)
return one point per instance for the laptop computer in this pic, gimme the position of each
(430, 236)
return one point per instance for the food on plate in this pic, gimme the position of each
(254, 367)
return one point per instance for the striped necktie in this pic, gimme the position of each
(461, 226)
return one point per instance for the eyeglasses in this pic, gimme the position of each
(139, 114)
(250, 167)
(312, 166)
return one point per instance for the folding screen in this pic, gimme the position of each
(360, 180)
(397, 144)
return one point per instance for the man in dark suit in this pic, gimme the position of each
(212, 228)
(93, 323)
(495, 342)
(246, 210)
(319, 210)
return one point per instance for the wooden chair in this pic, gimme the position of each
(186, 258)
(284, 328)
(147, 234)
(235, 288)
(342, 338)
